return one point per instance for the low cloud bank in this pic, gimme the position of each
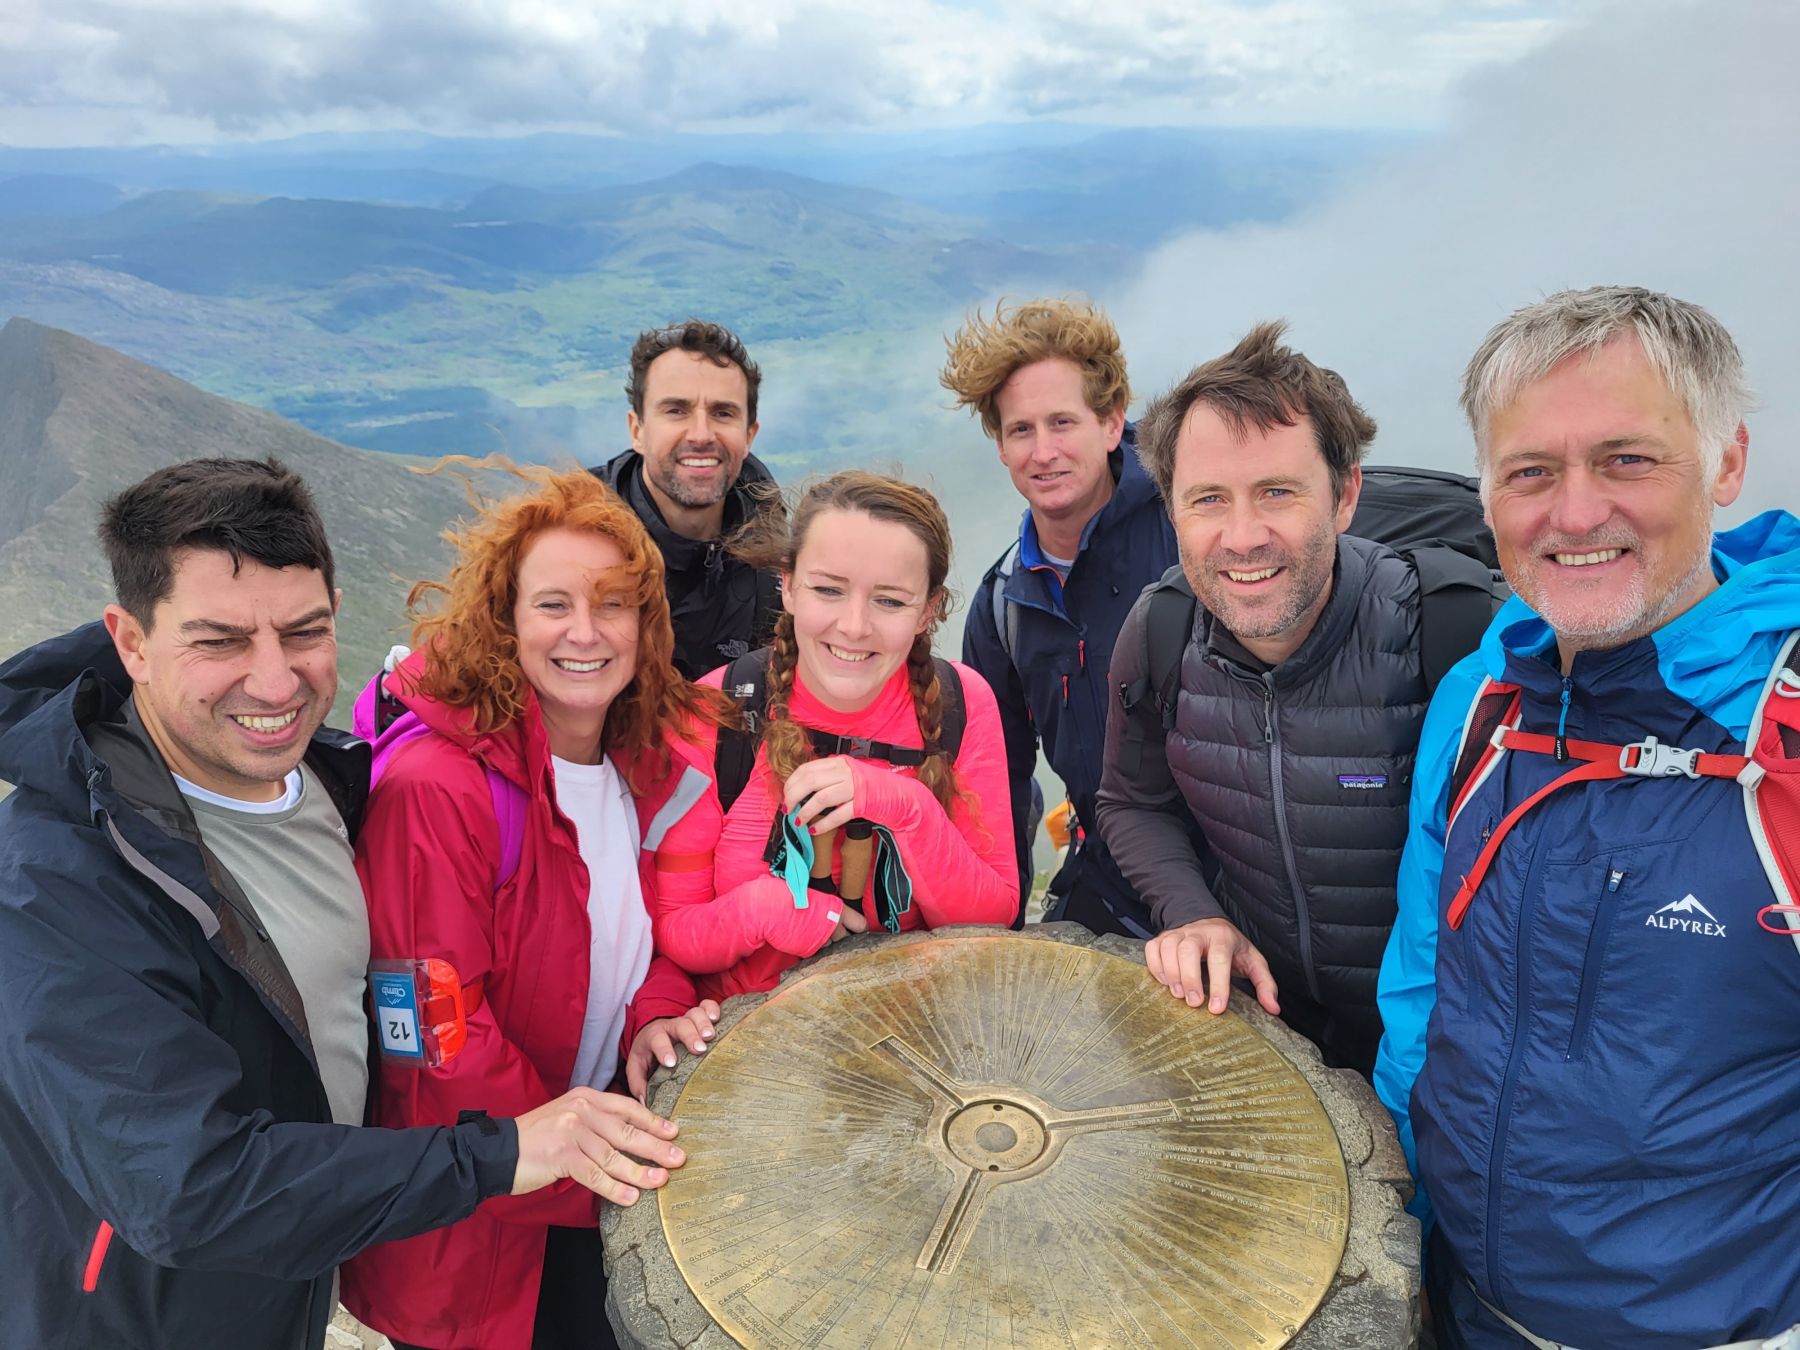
(1654, 145)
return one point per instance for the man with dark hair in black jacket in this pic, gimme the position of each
(184, 1051)
(1289, 736)
(692, 480)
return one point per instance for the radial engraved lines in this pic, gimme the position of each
(994, 1140)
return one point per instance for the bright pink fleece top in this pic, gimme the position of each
(721, 916)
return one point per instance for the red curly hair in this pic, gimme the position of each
(471, 648)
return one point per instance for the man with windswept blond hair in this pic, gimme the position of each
(1048, 381)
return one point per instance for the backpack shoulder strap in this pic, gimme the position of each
(1168, 623)
(1006, 617)
(1772, 791)
(1494, 706)
(509, 814)
(747, 682)
(954, 708)
(1458, 595)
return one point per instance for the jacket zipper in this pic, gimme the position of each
(90, 1275)
(1303, 919)
(1515, 1053)
(1593, 960)
(1562, 722)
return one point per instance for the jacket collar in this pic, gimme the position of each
(681, 554)
(518, 751)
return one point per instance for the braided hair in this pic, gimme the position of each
(771, 541)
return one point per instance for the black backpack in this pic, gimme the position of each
(747, 681)
(1431, 518)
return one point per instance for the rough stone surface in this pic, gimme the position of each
(346, 1333)
(1372, 1304)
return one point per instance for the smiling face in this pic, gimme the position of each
(578, 635)
(1257, 527)
(236, 671)
(695, 430)
(859, 596)
(1054, 445)
(1598, 500)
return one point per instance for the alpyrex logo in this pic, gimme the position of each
(1679, 915)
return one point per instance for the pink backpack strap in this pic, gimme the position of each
(509, 815)
(382, 721)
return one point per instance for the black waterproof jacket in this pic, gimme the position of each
(168, 1172)
(1045, 651)
(721, 606)
(1298, 776)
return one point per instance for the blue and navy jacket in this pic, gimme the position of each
(1054, 686)
(1597, 1076)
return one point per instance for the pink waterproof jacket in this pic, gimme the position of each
(722, 916)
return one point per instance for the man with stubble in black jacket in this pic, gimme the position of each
(692, 480)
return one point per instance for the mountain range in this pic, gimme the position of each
(78, 422)
(422, 295)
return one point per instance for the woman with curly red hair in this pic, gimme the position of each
(508, 833)
(851, 744)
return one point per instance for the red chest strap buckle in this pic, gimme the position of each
(1648, 758)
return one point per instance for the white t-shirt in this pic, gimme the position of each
(595, 798)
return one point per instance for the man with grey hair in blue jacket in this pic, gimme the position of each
(1592, 991)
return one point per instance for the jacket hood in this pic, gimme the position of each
(511, 751)
(48, 694)
(1708, 653)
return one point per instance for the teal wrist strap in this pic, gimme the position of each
(793, 859)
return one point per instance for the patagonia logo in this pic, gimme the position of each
(1686, 915)
(1362, 782)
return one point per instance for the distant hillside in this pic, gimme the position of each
(715, 231)
(188, 242)
(789, 194)
(49, 194)
(497, 309)
(79, 421)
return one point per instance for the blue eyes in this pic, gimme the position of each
(1540, 472)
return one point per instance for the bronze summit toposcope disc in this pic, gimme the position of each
(985, 1140)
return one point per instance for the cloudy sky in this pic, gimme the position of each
(1572, 141)
(1653, 143)
(121, 71)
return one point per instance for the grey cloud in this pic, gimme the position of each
(1653, 146)
(471, 65)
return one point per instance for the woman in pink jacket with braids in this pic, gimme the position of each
(851, 745)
